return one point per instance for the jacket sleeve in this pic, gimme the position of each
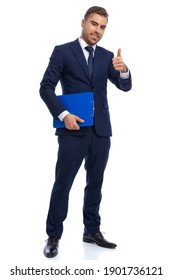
(49, 82)
(121, 83)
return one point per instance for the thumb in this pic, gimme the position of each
(119, 52)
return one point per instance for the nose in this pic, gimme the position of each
(97, 29)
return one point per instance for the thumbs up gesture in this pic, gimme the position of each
(118, 63)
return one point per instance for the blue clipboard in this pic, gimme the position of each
(80, 104)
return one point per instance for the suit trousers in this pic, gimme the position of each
(73, 149)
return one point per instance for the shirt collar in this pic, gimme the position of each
(83, 44)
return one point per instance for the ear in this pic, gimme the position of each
(82, 22)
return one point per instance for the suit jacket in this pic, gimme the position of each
(68, 65)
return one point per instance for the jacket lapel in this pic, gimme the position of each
(76, 48)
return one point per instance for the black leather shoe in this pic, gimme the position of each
(98, 239)
(51, 248)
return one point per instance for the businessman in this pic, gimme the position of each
(82, 66)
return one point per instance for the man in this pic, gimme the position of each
(68, 64)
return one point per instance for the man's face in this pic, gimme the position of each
(93, 29)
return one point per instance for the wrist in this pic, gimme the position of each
(62, 115)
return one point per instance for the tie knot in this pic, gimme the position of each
(89, 49)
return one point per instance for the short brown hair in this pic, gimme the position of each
(96, 10)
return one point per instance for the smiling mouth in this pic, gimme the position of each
(94, 36)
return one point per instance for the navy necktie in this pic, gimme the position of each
(90, 59)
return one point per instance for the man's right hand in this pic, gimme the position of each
(71, 122)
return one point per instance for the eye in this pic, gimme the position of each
(94, 23)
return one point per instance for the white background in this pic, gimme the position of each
(137, 206)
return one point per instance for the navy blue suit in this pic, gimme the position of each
(68, 65)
